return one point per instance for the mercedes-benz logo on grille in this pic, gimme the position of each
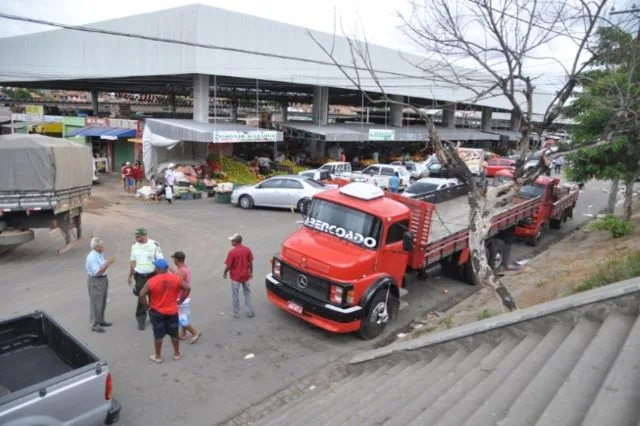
(303, 281)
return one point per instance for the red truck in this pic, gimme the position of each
(344, 270)
(558, 202)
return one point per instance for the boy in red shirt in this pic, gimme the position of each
(163, 289)
(129, 181)
(240, 264)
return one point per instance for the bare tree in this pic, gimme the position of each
(485, 48)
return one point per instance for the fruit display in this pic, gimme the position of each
(237, 172)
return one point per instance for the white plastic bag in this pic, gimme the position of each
(168, 192)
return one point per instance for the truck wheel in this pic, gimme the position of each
(246, 202)
(467, 273)
(535, 241)
(498, 255)
(556, 223)
(379, 312)
(11, 238)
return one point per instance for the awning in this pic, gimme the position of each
(219, 132)
(110, 133)
(23, 124)
(134, 140)
(367, 132)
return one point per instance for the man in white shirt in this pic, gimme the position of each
(169, 180)
(144, 253)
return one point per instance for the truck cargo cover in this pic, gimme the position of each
(42, 163)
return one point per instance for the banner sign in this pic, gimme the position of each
(382, 135)
(233, 136)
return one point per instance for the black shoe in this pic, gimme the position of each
(105, 324)
(97, 329)
(251, 314)
(140, 326)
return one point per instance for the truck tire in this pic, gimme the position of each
(497, 254)
(16, 237)
(451, 268)
(535, 241)
(77, 221)
(374, 320)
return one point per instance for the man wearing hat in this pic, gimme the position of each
(169, 180)
(239, 264)
(163, 290)
(144, 252)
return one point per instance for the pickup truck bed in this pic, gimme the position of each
(30, 365)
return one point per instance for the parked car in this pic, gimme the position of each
(279, 191)
(380, 175)
(434, 166)
(338, 169)
(497, 164)
(417, 170)
(428, 185)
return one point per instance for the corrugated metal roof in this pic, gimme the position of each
(109, 132)
(93, 56)
(216, 132)
(572, 361)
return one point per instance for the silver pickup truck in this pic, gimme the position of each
(50, 378)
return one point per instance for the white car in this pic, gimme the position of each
(417, 170)
(380, 175)
(290, 191)
(428, 185)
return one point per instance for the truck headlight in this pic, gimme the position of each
(276, 267)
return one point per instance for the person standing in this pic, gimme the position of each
(169, 180)
(129, 181)
(239, 264)
(394, 182)
(98, 284)
(163, 289)
(184, 309)
(144, 252)
(138, 173)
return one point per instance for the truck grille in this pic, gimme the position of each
(315, 287)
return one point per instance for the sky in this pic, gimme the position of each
(378, 19)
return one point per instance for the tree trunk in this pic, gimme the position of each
(481, 214)
(613, 196)
(628, 198)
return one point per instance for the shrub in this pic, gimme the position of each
(615, 225)
(615, 270)
(485, 314)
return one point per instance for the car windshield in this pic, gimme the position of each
(531, 191)
(314, 183)
(421, 187)
(410, 166)
(345, 223)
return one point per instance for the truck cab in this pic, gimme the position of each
(359, 238)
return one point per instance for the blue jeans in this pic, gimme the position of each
(235, 293)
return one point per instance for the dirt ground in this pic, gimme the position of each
(552, 274)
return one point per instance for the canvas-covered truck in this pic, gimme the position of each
(558, 202)
(48, 377)
(344, 270)
(45, 182)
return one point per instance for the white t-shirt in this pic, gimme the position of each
(144, 255)
(169, 177)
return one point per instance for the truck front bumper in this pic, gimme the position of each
(524, 232)
(114, 413)
(322, 315)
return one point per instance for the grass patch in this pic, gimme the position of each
(615, 225)
(612, 271)
(448, 322)
(485, 314)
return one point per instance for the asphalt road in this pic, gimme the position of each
(213, 381)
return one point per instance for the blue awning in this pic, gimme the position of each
(106, 132)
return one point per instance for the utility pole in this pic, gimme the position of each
(633, 10)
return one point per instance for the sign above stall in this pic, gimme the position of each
(382, 135)
(235, 136)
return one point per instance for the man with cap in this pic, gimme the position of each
(163, 289)
(239, 264)
(169, 180)
(144, 252)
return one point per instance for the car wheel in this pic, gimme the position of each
(379, 312)
(303, 205)
(246, 202)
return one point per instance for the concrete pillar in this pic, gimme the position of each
(94, 102)
(284, 111)
(172, 103)
(233, 112)
(395, 118)
(320, 105)
(201, 98)
(449, 116)
(514, 124)
(485, 123)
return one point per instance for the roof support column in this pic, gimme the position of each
(94, 102)
(396, 111)
(449, 116)
(172, 103)
(485, 123)
(201, 98)
(284, 111)
(514, 124)
(320, 104)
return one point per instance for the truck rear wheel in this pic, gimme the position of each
(378, 313)
(497, 254)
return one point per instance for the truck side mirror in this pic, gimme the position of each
(407, 241)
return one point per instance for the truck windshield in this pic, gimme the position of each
(531, 191)
(345, 223)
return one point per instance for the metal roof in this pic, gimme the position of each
(571, 361)
(216, 132)
(248, 49)
(103, 132)
(362, 132)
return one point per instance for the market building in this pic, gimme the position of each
(223, 61)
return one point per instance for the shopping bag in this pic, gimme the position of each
(168, 193)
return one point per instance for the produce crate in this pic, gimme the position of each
(223, 197)
(187, 196)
